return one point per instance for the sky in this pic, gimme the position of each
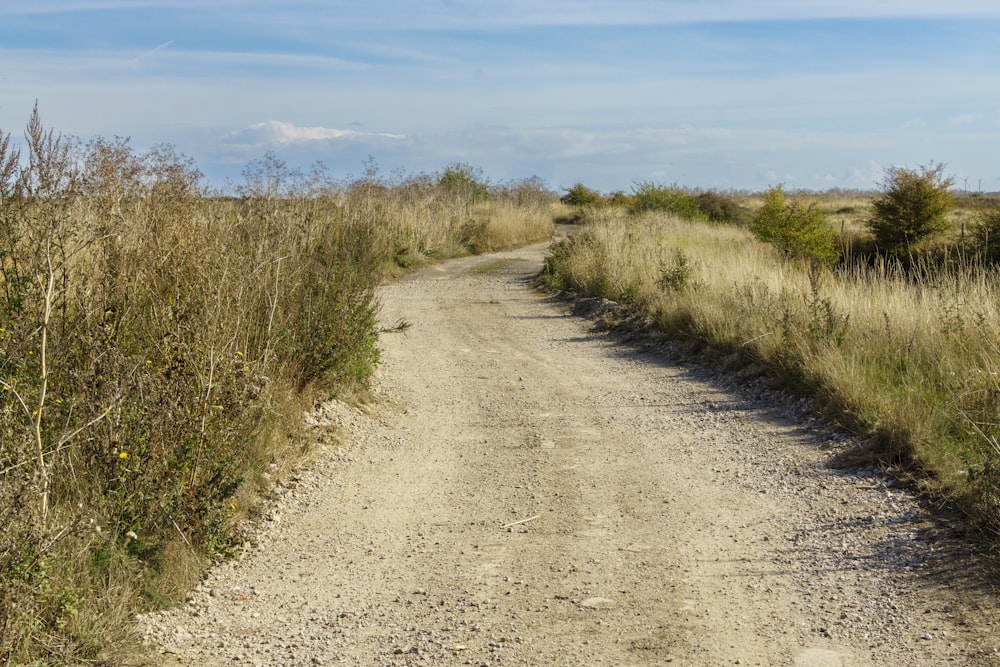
(712, 94)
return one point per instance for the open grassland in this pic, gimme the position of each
(911, 363)
(158, 344)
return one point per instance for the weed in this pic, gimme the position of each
(555, 275)
(824, 323)
(676, 276)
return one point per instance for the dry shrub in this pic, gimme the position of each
(157, 346)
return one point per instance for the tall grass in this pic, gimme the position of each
(158, 344)
(912, 364)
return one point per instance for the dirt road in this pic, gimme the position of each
(530, 492)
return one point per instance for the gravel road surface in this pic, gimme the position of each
(529, 491)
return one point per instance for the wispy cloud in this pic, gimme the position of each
(278, 133)
(153, 51)
(728, 93)
(967, 119)
(420, 14)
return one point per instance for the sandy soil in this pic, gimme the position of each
(530, 491)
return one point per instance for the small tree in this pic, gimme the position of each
(798, 230)
(913, 206)
(581, 195)
(465, 181)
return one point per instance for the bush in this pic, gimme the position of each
(799, 231)
(620, 199)
(466, 182)
(913, 207)
(718, 207)
(648, 196)
(581, 195)
(986, 234)
(531, 191)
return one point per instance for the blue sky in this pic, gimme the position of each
(739, 94)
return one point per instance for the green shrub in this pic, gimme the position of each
(798, 230)
(678, 275)
(986, 234)
(648, 196)
(465, 181)
(555, 275)
(718, 207)
(581, 195)
(620, 199)
(913, 207)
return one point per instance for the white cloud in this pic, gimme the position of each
(966, 119)
(276, 132)
(718, 108)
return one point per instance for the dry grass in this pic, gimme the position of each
(910, 363)
(158, 345)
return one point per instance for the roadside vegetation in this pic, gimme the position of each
(884, 306)
(159, 341)
(158, 345)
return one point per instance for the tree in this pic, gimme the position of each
(581, 195)
(798, 230)
(913, 206)
(465, 181)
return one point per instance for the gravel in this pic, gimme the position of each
(530, 490)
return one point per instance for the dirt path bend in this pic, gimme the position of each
(529, 492)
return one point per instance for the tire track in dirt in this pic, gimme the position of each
(529, 492)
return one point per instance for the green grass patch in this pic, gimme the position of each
(496, 265)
